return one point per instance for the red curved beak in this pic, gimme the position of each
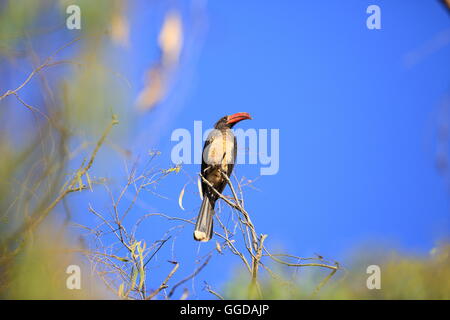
(238, 117)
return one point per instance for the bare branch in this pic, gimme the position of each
(196, 271)
(164, 284)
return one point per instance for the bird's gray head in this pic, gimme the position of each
(231, 120)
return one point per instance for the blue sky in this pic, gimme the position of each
(357, 109)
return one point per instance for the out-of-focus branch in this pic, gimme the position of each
(324, 282)
(210, 290)
(289, 264)
(34, 220)
(47, 63)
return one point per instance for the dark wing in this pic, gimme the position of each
(231, 165)
(204, 164)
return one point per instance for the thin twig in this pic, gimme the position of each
(196, 271)
(164, 283)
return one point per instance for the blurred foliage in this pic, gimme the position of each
(403, 276)
(16, 17)
(59, 90)
(41, 271)
(159, 75)
(57, 97)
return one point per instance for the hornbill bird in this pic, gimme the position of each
(219, 156)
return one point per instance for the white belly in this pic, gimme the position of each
(220, 152)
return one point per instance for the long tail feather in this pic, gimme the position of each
(204, 226)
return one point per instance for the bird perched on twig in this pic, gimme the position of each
(219, 156)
